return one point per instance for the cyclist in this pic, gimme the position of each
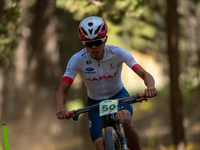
(100, 68)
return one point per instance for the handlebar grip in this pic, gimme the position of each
(142, 95)
(71, 113)
(156, 92)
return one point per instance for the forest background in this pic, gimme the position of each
(37, 38)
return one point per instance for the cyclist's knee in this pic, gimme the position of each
(123, 115)
(127, 123)
(99, 144)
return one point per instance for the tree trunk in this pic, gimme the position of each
(175, 99)
(21, 61)
(44, 10)
(13, 95)
(1, 70)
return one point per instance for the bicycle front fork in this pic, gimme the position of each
(118, 126)
(122, 134)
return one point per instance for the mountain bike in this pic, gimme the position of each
(112, 130)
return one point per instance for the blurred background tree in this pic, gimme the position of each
(9, 18)
(37, 38)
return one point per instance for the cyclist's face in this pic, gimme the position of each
(97, 52)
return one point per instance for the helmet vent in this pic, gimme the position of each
(84, 31)
(97, 30)
(90, 24)
(103, 29)
(90, 31)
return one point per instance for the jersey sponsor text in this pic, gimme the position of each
(103, 77)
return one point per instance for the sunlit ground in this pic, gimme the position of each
(190, 146)
(73, 144)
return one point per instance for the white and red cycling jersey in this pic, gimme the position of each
(101, 77)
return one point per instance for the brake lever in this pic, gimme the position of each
(74, 117)
(142, 99)
(69, 117)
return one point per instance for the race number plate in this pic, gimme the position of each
(108, 107)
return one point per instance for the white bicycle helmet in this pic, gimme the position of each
(92, 27)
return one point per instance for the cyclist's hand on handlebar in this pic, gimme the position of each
(62, 113)
(150, 92)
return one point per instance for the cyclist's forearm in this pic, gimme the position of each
(149, 80)
(146, 77)
(61, 95)
(60, 100)
(61, 112)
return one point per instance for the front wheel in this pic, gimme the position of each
(111, 140)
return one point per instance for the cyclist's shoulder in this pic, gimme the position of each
(116, 50)
(111, 47)
(77, 58)
(80, 54)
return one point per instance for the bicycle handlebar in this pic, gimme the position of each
(133, 99)
(142, 95)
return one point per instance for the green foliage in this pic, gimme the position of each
(78, 8)
(9, 16)
(146, 30)
(112, 10)
(138, 34)
(190, 90)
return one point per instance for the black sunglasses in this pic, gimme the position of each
(96, 42)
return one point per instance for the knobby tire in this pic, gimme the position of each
(111, 141)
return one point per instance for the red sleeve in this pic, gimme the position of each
(136, 67)
(67, 79)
